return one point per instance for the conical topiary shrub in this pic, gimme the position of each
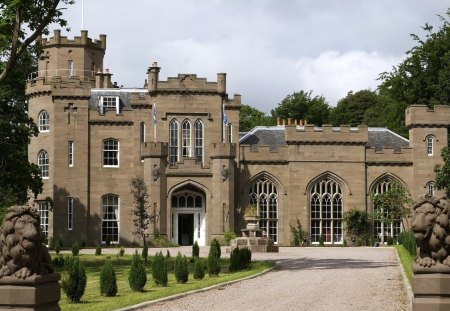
(214, 259)
(108, 282)
(181, 269)
(138, 276)
(159, 269)
(199, 269)
(73, 279)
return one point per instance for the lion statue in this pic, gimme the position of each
(21, 251)
(431, 230)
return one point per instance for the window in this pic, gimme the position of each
(198, 140)
(229, 132)
(43, 163)
(42, 208)
(109, 103)
(111, 153)
(263, 194)
(430, 141)
(173, 142)
(186, 132)
(142, 132)
(69, 214)
(110, 218)
(70, 68)
(326, 208)
(70, 153)
(430, 187)
(44, 121)
(384, 229)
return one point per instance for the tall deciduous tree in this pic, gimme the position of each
(17, 175)
(250, 117)
(351, 109)
(21, 23)
(302, 105)
(443, 172)
(423, 77)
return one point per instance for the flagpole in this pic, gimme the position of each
(154, 121)
(82, 15)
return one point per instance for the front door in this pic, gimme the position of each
(185, 229)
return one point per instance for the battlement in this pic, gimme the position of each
(83, 40)
(154, 150)
(421, 115)
(184, 83)
(74, 87)
(389, 155)
(326, 134)
(264, 153)
(223, 150)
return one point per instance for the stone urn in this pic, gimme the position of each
(252, 222)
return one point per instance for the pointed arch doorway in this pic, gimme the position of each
(188, 216)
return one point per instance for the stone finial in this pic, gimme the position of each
(431, 230)
(22, 253)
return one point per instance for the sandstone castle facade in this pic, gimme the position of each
(182, 137)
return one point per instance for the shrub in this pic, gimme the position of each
(181, 269)
(98, 250)
(144, 253)
(234, 260)
(83, 244)
(51, 243)
(245, 258)
(108, 282)
(214, 259)
(406, 238)
(199, 269)
(228, 235)
(58, 261)
(57, 247)
(75, 249)
(121, 251)
(108, 241)
(321, 240)
(357, 223)
(138, 276)
(390, 240)
(215, 244)
(73, 279)
(159, 269)
(168, 254)
(299, 236)
(195, 250)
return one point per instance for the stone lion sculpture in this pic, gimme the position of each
(432, 231)
(21, 251)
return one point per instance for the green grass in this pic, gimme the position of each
(92, 300)
(406, 259)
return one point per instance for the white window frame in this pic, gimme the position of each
(44, 121)
(109, 103)
(112, 154)
(199, 140)
(43, 161)
(174, 131)
(142, 132)
(229, 133)
(70, 68)
(430, 144)
(186, 137)
(109, 217)
(70, 213)
(430, 187)
(70, 152)
(43, 211)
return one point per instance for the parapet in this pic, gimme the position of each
(223, 150)
(423, 116)
(75, 87)
(184, 83)
(83, 40)
(326, 134)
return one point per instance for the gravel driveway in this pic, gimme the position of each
(315, 278)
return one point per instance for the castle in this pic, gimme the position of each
(182, 137)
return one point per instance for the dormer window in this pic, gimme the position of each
(109, 103)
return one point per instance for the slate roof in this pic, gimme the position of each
(124, 96)
(273, 136)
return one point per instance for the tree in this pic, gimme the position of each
(250, 117)
(17, 175)
(443, 172)
(22, 22)
(357, 224)
(142, 218)
(350, 109)
(391, 205)
(423, 77)
(302, 106)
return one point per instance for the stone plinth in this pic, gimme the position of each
(431, 292)
(37, 292)
(255, 244)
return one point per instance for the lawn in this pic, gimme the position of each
(92, 300)
(406, 259)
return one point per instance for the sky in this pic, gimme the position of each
(268, 48)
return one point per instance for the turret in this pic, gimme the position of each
(153, 76)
